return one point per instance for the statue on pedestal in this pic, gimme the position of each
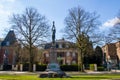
(53, 68)
(53, 33)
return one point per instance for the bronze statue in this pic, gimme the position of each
(53, 33)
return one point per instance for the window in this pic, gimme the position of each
(60, 54)
(73, 54)
(67, 46)
(68, 62)
(60, 46)
(73, 62)
(7, 43)
(6, 51)
(47, 55)
(63, 45)
(68, 54)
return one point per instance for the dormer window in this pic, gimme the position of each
(60, 45)
(7, 43)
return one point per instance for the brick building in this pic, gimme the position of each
(65, 53)
(118, 49)
(112, 53)
(8, 49)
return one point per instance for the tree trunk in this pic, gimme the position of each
(31, 64)
(80, 61)
(31, 60)
(81, 65)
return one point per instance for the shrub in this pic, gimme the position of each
(101, 68)
(62, 67)
(7, 67)
(69, 67)
(25, 66)
(92, 67)
(38, 67)
(41, 67)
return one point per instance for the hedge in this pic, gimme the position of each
(62, 67)
(101, 68)
(92, 67)
(43, 67)
(70, 67)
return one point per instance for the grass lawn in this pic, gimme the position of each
(79, 77)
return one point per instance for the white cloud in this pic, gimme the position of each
(3, 12)
(110, 23)
(5, 7)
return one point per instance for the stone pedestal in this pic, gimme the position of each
(53, 55)
(53, 68)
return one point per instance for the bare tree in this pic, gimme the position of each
(31, 29)
(80, 27)
(114, 33)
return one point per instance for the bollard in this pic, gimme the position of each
(34, 67)
(21, 67)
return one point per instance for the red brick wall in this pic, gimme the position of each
(1, 56)
(10, 54)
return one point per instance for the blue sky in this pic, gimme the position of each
(57, 10)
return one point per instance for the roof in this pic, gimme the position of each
(10, 38)
(60, 41)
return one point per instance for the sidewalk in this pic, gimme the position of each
(94, 72)
(69, 73)
(17, 72)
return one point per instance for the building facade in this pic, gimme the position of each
(8, 49)
(118, 49)
(111, 54)
(66, 54)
